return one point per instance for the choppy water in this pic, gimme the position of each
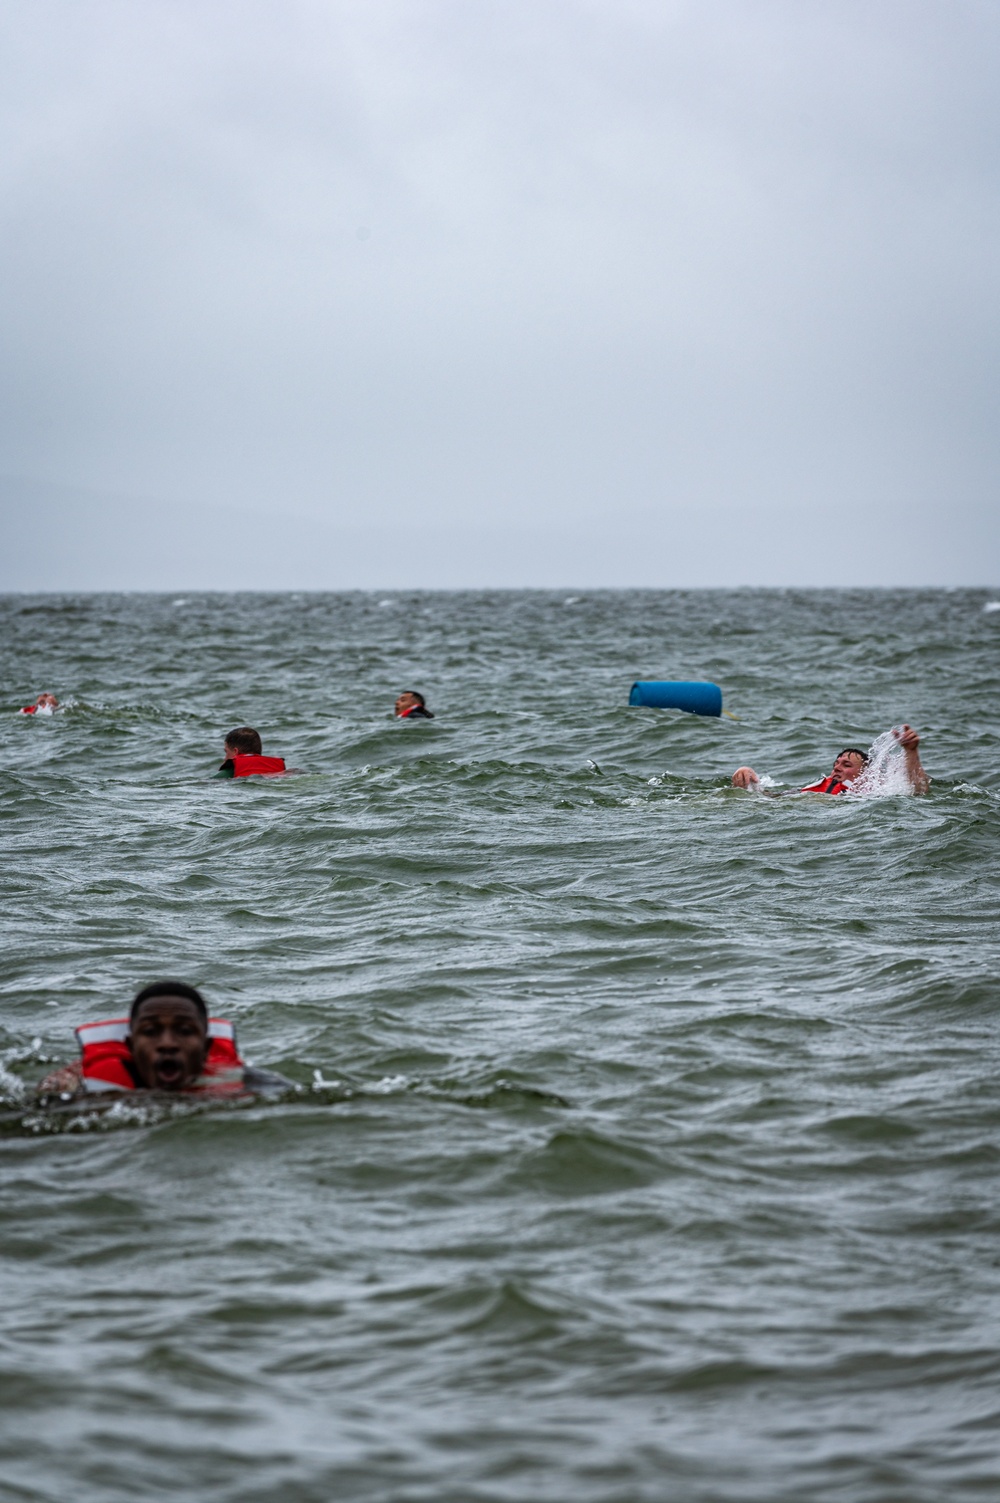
(647, 1145)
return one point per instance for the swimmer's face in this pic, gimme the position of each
(47, 702)
(406, 702)
(169, 1043)
(847, 767)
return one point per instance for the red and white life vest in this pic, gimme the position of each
(826, 785)
(107, 1057)
(248, 766)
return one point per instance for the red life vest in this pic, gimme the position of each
(245, 767)
(107, 1057)
(29, 710)
(826, 785)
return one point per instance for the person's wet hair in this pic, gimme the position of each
(170, 989)
(245, 740)
(854, 751)
(421, 701)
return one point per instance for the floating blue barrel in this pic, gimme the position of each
(698, 698)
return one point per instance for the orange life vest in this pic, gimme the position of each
(107, 1057)
(826, 785)
(246, 766)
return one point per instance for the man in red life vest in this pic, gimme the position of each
(412, 706)
(849, 766)
(243, 756)
(46, 703)
(168, 1043)
(165, 1047)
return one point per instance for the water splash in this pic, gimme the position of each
(885, 776)
(12, 1088)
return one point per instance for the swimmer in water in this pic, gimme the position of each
(412, 706)
(167, 1044)
(44, 704)
(849, 766)
(242, 751)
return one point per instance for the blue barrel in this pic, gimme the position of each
(698, 698)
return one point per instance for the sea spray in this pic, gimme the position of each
(885, 776)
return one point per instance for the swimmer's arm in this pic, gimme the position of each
(910, 742)
(66, 1081)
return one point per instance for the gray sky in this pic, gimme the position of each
(456, 292)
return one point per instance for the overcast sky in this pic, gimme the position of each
(458, 292)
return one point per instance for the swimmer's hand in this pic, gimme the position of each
(910, 742)
(745, 777)
(62, 1082)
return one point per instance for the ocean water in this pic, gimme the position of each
(645, 1139)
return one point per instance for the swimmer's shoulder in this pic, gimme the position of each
(266, 1082)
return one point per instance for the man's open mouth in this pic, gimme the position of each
(169, 1073)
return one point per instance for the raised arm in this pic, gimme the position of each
(910, 742)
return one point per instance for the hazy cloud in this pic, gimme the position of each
(705, 292)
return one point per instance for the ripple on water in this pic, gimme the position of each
(644, 1138)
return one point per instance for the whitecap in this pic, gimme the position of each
(320, 1082)
(992, 605)
(387, 1086)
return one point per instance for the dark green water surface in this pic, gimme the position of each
(647, 1138)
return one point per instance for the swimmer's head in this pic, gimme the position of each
(409, 700)
(243, 742)
(850, 764)
(47, 702)
(168, 1029)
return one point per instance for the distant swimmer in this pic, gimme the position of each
(243, 756)
(167, 1043)
(849, 766)
(412, 706)
(44, 705)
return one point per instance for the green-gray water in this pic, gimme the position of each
(646, 1146)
